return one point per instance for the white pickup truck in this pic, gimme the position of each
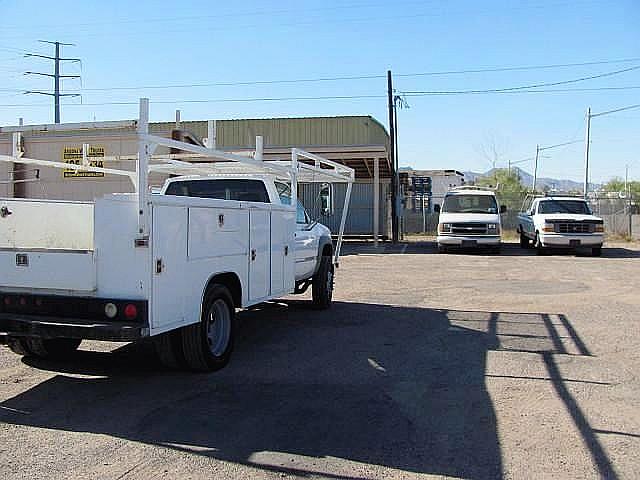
(559, 222)
(173, 265)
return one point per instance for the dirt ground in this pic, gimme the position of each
(463, 365)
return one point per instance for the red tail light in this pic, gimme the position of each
(130, 311)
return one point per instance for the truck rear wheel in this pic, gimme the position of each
(207, 345)
(53, 347)
(168, 347)
(322, 286)
(19, 346)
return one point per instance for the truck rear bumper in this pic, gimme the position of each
(17, 325)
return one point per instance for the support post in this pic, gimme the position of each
(586, 153)
(376, 201)
(177, 119)
(259, 148)
(294, 178)
(56, 85)
(535, 169)
(143, 169)
(343, 221)
(211, 134)
(392, 153)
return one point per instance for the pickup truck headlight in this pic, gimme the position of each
(599, 229)
(444, 228)
(548, 227)
(493, 228)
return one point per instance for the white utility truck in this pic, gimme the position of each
(469, 218)
(221, 234)
(555, 221)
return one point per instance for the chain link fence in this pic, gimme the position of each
(621, 215)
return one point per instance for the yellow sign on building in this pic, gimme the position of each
(74, 155)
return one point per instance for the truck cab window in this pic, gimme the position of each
(222, 189)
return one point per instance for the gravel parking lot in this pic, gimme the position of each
(462, 365)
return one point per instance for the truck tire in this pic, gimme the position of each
(442, 249)
(596, 251)
(524, 240)
(19, 346)
(207, 345)
(168, 347)
(322, 285)
(537, 244)
(54, 348)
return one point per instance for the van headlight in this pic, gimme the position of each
(493, 228)
(445, 228)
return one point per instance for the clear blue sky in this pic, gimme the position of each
(145, 43)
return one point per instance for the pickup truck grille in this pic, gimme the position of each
(574, 227)
(470, 228)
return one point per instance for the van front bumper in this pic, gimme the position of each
(468, 240)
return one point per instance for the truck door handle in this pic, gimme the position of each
(286, 250)
(253, 254)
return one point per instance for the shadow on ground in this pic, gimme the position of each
(510, 249)
(391, 386)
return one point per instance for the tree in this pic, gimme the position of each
(616, 184)
(509, 188)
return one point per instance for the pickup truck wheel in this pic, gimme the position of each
(322, 285)
(524, 241)
(538, 245)
(442, 249)
(19, 346)
(207, 345)
(596, 251)
(55, 348)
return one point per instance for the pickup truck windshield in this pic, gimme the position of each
(470, 204)
(564, 206)
(225, 189)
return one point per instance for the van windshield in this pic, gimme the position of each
(470, 204)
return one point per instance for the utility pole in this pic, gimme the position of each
(56, 76)
(535, 169)
(586, 154)
(392, 152)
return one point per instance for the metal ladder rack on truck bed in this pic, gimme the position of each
(132, 265)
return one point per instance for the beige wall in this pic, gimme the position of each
(53, 184)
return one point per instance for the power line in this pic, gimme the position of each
(358, 77)
(630, 107)
(528, 87)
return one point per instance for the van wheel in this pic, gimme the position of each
(322, 284)
(168, 347)
(207, 345)
(55, 348)
(19, 346)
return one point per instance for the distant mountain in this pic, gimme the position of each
(527, 179)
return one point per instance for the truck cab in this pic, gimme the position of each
(560, 222)
(469, 218)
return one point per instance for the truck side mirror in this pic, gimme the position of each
(503, 209)
(326, 199)
(436, 208)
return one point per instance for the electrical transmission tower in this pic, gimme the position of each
(55, 75)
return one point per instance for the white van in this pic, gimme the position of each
(469, 218)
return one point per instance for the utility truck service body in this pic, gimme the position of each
(172, 265)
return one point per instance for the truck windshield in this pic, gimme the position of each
(564, 206)
(470, 204)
